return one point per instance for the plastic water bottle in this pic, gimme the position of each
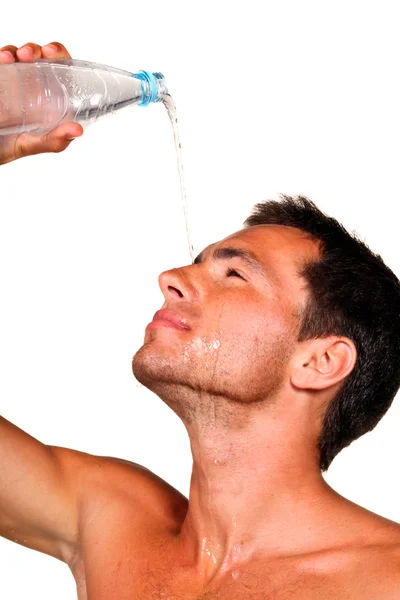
(36, 97)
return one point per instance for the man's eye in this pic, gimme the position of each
(232, 272)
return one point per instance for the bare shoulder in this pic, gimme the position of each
(372, 570)
(379, 554)
(379, 569)
(104, 478)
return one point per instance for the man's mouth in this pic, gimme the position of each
(168, 318)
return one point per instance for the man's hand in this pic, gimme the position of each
(26, 144)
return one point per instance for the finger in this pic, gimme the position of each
(8, 54)
(55, 50)
(29, 52)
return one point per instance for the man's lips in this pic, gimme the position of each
(169, 318)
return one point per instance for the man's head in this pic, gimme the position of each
(292, 306)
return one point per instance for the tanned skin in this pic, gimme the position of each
(260, 522)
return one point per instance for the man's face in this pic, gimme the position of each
(239, 304)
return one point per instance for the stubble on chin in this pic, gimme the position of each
(201, 384)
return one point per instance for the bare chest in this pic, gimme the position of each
(155, 583)
(129, 552)
(144, 571)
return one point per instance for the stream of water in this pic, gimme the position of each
(171, 108)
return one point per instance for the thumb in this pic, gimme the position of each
(56, 140)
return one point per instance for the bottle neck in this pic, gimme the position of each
(154, 87)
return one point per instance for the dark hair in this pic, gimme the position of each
(352, 293)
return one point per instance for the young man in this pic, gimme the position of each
(277, 348)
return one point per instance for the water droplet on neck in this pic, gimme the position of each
(235, 574)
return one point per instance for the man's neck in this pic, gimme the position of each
(255, 490)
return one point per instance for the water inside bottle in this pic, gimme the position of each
(171, 108)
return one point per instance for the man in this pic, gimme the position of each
(277, 348)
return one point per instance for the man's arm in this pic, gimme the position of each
(39, 484)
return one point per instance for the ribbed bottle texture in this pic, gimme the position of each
(36, 97)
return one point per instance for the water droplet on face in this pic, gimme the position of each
(204, 348)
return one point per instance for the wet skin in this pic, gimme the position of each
(260, 521)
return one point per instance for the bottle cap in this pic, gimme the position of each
(149, 91)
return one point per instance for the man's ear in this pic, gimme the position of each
(319, 364)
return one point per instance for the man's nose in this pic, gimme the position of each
(176, 285)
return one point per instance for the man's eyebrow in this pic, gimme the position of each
(230, 252)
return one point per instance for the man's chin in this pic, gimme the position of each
(165, 378)
(152, 365)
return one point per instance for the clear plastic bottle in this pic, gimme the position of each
(36, 97)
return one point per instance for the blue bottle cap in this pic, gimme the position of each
(150, 94)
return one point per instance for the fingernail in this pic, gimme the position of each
(50, 47)
(27, 50)
(6, 54)
(70, 137)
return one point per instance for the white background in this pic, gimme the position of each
(291, 97)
